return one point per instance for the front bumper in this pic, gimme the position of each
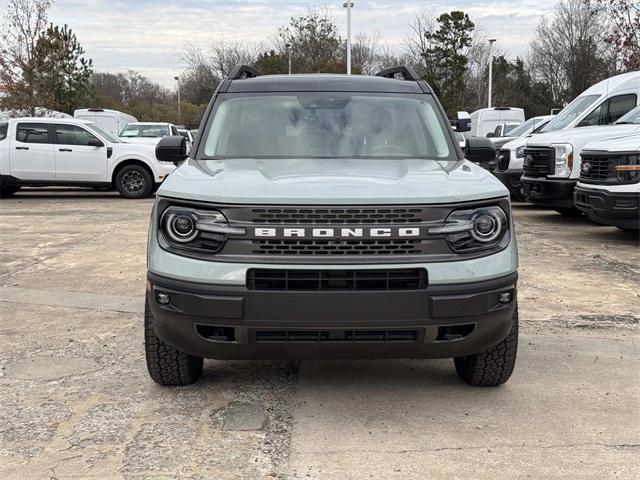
(233, 322)
(511, 180)
(555, 193)
(609, 208)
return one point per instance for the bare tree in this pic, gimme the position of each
(199, 79)
(365, 53)
(419, 43)
(22, 25)
(226, 55)
(568, 52)
(623, 18)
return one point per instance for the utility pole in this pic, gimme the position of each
(288, 47)
(179, 107)
(348, 6)
(491, 42)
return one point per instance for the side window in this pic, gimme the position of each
(618, 106)
(4, 127)
(610, 110)
(174, 131)
(32, 133)
(72, 135)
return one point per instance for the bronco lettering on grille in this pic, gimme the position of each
(374, 232)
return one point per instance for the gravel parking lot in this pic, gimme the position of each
(76, 401)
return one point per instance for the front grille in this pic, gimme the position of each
(595, 167)
(341, 247)
(336, 280)
(539, 162)
(336, 336)
(503, 159)
(600, 168)
(333, 216)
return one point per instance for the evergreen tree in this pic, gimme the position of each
(62, 73)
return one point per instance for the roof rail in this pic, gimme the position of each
(407, 73)
(240, 72)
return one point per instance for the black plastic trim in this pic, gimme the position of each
(549, 192)
(604, 207)
(240, 313)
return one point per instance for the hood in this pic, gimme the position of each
(331, 181)
(516, 143)
(579, 136)
(498, 142)
(146, 149)
(141, 140)
(618, 144)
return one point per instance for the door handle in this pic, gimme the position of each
(65, 150)
(22, 148)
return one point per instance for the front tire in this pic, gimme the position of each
(495, 365)
(134, 181)
(167, 365)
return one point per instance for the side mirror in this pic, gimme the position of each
(462, 122)
(491, 135)
(480, 150)
(94, 142)
(172, 149)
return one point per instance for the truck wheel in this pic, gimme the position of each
(134, 181)
(166, 365)
(493, 366)
(569, 212)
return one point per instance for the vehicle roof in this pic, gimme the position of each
(498, 109)
(323, 83)
(48, 120)
(149, 123)
(618, 82)
(98, 111)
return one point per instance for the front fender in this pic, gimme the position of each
(152, 165)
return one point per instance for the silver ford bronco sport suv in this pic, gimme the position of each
(329, 216)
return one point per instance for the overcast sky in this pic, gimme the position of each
(146, 35)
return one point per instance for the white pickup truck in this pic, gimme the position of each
(40, 152)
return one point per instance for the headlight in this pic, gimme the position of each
(520, 152)
(564, 159)
(473, 230)
(195, 230)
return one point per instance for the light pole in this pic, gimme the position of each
(179, 108)
(491, 42)
(348, 6)
(288, 47)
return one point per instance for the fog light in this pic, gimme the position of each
(163, 298)
(505, 297)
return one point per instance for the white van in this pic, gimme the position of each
(486, 120)
(602, 104)
(111, 120)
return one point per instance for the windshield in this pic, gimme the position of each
(633, 116)
(508, 129)
(141, 130)
(103, 132)
(523, 128)
(571, 112)
(327, 125)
